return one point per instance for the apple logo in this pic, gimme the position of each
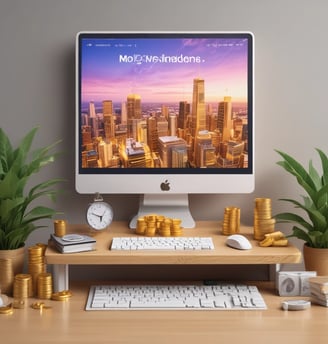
(165, 186)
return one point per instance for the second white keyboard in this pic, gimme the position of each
(174, 297)
(162, 243)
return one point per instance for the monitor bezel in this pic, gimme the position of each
(177, 177)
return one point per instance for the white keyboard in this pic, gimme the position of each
(174, 297)
(162, 243)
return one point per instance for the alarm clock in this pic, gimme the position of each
(99, 214)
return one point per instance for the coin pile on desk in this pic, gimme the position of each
(263, 221)
(44, 285)
(36, 263)
(150, 225)
(6, 309)
(6, 275)
(23, 288)
(276, 239)
(61, 295)
(37, 282)
(231, 221)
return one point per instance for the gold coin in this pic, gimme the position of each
(19, 304)
(6, 309)
(61, 295)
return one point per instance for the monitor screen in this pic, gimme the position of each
(164, 112)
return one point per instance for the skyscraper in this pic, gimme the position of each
(225, 123)
(92, 110)
(184, 110)
(109, 120)
(107, 107)
(172, 125)
(133, 108)
(152, 138)
(123, 114)
(204, 154)
(198, 113)
(166, 145)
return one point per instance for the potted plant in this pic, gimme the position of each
(313, 228)
(19, 210)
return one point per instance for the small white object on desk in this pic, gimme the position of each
(239, 242)
(295, 305)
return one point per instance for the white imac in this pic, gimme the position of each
(165, 115)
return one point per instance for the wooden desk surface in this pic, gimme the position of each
(68, 322)
(220, 255)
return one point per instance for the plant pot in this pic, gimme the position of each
(316, 259)
(11, 264)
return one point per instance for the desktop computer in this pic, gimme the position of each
(165, 115)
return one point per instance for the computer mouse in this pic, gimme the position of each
(238, 241)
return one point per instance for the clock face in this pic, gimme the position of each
(99, 215)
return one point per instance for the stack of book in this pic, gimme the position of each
(72, 243)
(319, 290)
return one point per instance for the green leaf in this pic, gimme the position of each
(318, 219)
(315, 177)
(5, 152)
(293, 218)
(302, 235)
(324, 240)
(322, 199)
(9, 209)
(9, 185)
(17, 237)
(20, 154)
(324, 164)
(297, 170)
(38, 213)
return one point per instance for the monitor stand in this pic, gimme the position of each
(169, 205)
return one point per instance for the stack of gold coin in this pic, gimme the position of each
(231, 221)
(159, 221)
(150, 225)
(36, 264)
(44, 285)
(43, 247)
(150, 218)
(165, 229)
(151, 228)
(6, 275)
(141, 226)
(60, 227)
(176, 229)
(263, 221)
(22, 287)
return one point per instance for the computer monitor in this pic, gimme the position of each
(164, 115)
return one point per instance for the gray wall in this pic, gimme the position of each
(291, 53)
